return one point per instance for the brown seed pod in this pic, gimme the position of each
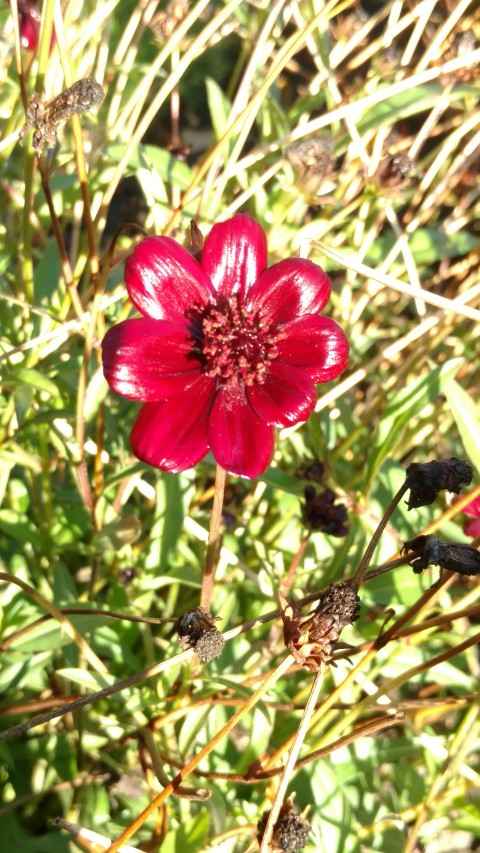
(312, 639)
(44, 117)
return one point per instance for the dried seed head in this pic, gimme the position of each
(396, 170)
(209, 646)
(320, 512)
(424, 551)
(291, 831)
(312, 162)
(426, 479)
(342, 600)
(312, 639)
(45, 117)
(196, 630)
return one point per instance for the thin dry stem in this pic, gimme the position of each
(185, 772)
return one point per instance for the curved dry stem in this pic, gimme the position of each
(188, 768)
(291, 762)
(65, 623)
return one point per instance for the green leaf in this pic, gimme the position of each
(467, 418)
(428, 245)
(219, 106)
(19, 527)
(411, 102)
(91, 680)
(170, 169)
(28, 376)
(402, 409)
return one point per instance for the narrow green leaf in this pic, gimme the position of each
(467, 418)
(402, 409)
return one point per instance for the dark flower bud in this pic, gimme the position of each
(426, 479)
(315, 471)
(424, 551)
(128, 574)
(196, 630)
(291, 831)
(320, 512)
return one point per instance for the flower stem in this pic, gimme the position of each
(365, 561)
(212, 550)
(265, 845)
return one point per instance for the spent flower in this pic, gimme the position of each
(225, 351)
(426, 479)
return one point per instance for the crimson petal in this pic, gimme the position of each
(234, 255)
(172, 435)
(286, 397)
(148, 360)
(241, 442)
(316, 344)
(290, 289)
(164, 282)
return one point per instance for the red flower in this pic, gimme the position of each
(226, 349)
(472, 528)
(29, 23)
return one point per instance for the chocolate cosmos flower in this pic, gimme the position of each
(226, 349)
(472, 528)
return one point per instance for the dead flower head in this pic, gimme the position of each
(196, 630)
(291, 830)
(458, 557)
(312, 639)
(426, 479)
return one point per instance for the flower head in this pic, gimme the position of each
(225, 351)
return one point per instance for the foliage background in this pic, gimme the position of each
(83, 525)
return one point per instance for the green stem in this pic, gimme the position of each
(212, 550)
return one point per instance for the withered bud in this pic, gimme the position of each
(312, 162)
(426, 479)
(165, 22)
(424, 551)
(179, 150)
(196, 630)
(397, 168)
(312, 639)
(128, 574)
(320, 512)
(45, 117)
(315, 471)
(196, 241)
(291, 830)
(463, 43)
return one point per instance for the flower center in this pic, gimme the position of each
(237, 346)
